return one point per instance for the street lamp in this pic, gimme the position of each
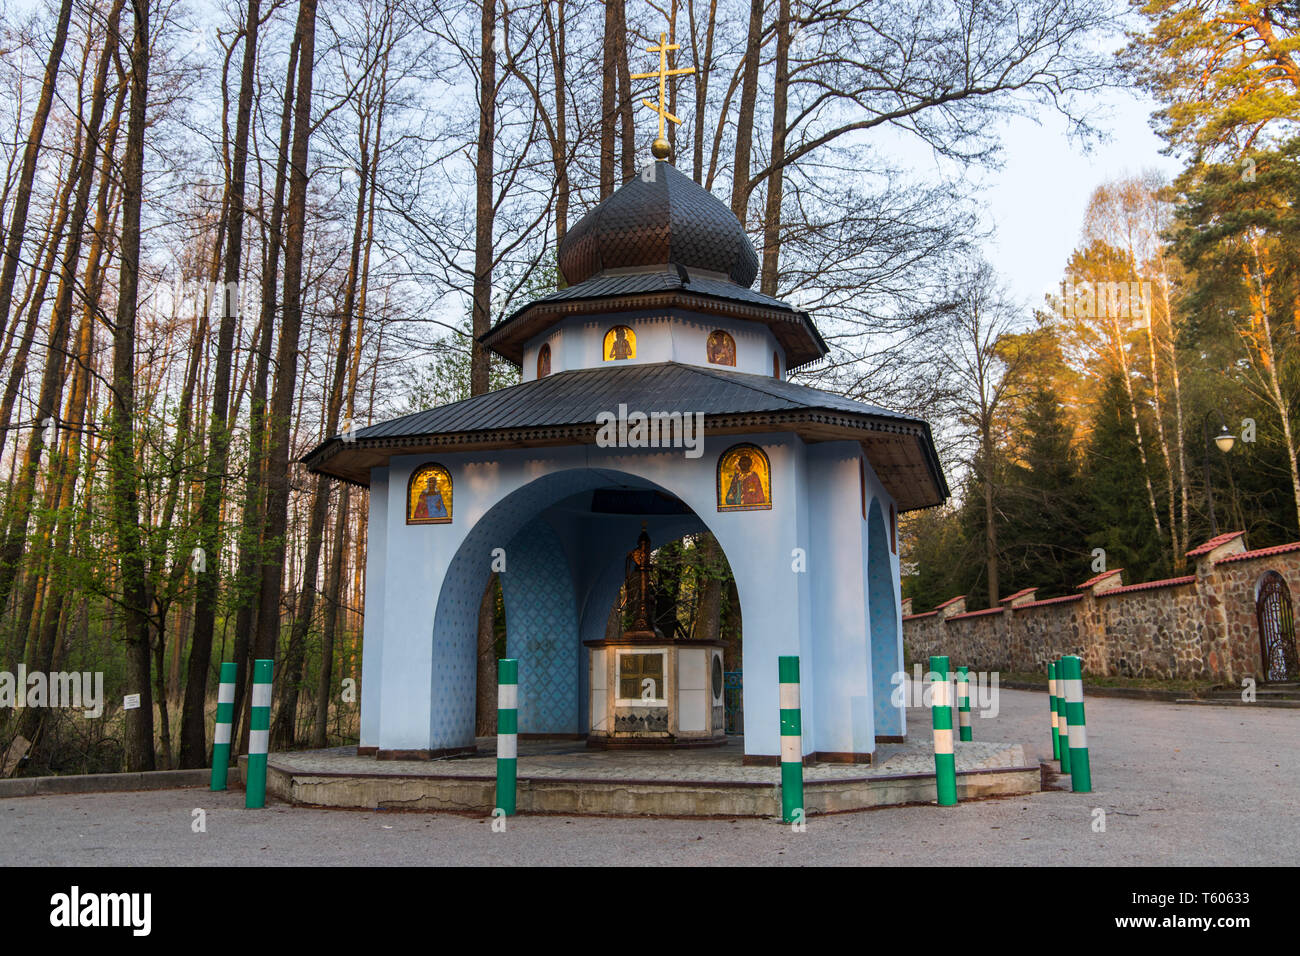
(1224, 440)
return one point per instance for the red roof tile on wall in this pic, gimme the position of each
(1214, 543)
(987, 610)
(1055, 600)
(1097, 577)
(1261, 552)
(1150, 585)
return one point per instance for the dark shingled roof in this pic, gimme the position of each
(661, 244)
(562, 409)
(659, 216)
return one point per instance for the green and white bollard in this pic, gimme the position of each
(1062, 718)
(945, 763)
(1051, 703)
(791, 741)
(952, 701)
(221, 733)
(259, 736)
(1077, 743)
(963, 703)
(507, 733)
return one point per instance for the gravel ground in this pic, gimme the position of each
(1178, 785)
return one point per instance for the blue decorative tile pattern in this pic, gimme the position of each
(455, 628)
(542, 629)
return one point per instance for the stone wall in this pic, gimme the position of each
(1200, 626)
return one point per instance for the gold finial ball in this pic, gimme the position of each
(660, 149)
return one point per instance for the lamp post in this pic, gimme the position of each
(1224, 440)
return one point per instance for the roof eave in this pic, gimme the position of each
(814, 421)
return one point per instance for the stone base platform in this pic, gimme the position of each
(565, 777)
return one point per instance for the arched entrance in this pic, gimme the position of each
(558, 546)
(883, 626)
(1276, 619)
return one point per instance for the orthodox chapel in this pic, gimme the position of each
(655, 404)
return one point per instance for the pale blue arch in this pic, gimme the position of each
(882, 612)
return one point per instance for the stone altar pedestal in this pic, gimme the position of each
(651, 691)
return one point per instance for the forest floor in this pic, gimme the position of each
(1174, 784)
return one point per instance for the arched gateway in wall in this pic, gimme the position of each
(631, 415)
(1276, 618)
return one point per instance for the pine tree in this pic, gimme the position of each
(1043, 538)
(1113, 498)
(1227, 70)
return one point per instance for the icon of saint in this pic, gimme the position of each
(429, 504)
(622, 348)
(722, 349)
(746, 487)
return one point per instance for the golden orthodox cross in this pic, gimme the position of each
(660, 147)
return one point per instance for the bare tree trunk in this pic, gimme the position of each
(125, 504)
(990, 517)
(708, 616)
(284, 733)
(193, 745)
(560, 148)
(1183, 543)
(1261, 338)
(740, 186)
(47, 408)
(672, 82)
(772, 218)
(16, 228)
(731, 628)
(703, 70)
(248, 574)
(625, 91)
(481, 318)
(59, 500)
(608, 101)
(359, 280)
(34, 300)
(1176, 553)
(333, 575)
(1137, 428)
(277, 471)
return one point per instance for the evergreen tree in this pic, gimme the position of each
(1043, 535)
(1117, 516)
(1227, 70)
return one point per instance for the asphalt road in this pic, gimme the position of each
(1178, 785)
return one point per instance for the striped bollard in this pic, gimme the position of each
(952, 702)
(963, 703)
(1077, 742)
(945, 764)
(1051, 704)
(1062, 718)
(791, 741)
(507, 733)
(221, 734)
(259, 736)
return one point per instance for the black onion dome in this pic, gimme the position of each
(664, 219)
